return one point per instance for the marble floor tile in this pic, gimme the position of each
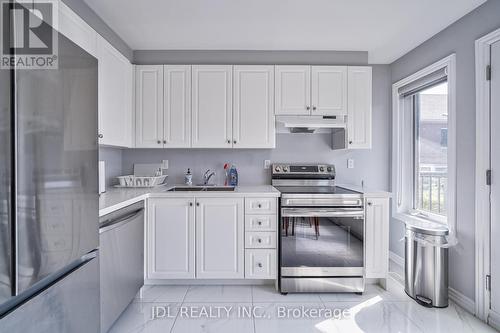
(217, 294)
(452, 319)
(290, 317)
(213, 318)
(373, 315)
(161, 293)
(138, 317)
(269, 294)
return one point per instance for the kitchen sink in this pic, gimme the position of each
(201, 188)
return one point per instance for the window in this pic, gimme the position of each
(430, 117)
(424, 145)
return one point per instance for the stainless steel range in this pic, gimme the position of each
(321, 243)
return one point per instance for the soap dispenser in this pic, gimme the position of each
(188, 178)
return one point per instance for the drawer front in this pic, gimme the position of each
(260, 223)
(260, 206)
(260, 264)
(260, 240)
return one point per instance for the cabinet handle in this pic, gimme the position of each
(190, 204)
(259, 240)
(164, 141)
(159, 142)
(369, 203)
(259, 265)
(308, 107)
(259, 205)
(314, 108)
(228, 141)
(198, 204)
(234, 141)
(100, 136)
(350, 142)
(259, 223)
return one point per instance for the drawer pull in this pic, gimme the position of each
(259, 205)
(259, 265)
(259, 240)
(259, 222)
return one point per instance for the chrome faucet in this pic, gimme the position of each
(207, 175)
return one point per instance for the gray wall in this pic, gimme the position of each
(92, 19)
(153, 57)
(458, 38)
(372, 166)
(113, 159)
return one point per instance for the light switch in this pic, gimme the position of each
(267, 164)
(350, 163)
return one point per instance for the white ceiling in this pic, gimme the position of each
(387, 29)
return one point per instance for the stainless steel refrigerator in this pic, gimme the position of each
(49, 271)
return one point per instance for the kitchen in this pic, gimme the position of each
(242, 185)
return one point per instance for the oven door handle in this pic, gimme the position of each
(322, 212)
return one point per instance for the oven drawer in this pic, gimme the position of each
(260, 264)
(260, 205)
(260, 240)
(260, 223)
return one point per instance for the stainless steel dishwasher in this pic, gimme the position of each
(121, 247)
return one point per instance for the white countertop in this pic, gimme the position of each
(366, 191)
(116, 198)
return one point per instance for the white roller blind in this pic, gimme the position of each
(427, 81)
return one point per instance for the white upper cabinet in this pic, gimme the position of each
(219, 238)
(253, 110)
(212, 107)
(149, 106)
(377, 237)
(359, 107)
(177, 107)
(170, 242)
(293, 90)
(329, 90)
(74, 28)
(114, 96)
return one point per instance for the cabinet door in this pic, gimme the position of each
(329, 90)
(359, 108)
(114, 96)
(170, 238)
(377, 237)
(74, 28)
(177, 107)
(219, 238)
(149, 106)
(212, 107)
(253, 110)
(293, 90)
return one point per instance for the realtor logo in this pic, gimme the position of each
(28, 33)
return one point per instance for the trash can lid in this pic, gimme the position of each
(427, 227)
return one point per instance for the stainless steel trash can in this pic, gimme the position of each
(426, 264)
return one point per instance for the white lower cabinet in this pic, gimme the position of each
(377, 237)
(260, 264)
(170, 238)
(219, 238)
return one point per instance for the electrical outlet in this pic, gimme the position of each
(267, 164)
(350, 163)
(164, 164)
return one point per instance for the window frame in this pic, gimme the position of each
(403, 150)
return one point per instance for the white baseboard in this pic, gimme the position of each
(462, 300)
(494, 320)
(454, 295)
(400, 261)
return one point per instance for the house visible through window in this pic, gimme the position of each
(430, 114)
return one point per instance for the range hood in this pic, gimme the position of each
(336, 125)
(309, 124)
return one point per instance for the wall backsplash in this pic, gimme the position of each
(113, 159)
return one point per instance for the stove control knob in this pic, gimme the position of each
(277, 168)
(329, 169)
(285, 169)
(321, 169)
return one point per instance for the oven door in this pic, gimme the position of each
(322, 242)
